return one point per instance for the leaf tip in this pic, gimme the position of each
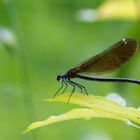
(25, 131)
(49, 100)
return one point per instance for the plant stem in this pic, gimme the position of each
(15, 23)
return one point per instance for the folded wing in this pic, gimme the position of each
(110, 59)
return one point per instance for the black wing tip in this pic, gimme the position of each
(129, 41)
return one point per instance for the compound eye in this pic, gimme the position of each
(58, 78)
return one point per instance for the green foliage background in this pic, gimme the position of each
(50, 41)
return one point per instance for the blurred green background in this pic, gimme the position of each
(40, 39)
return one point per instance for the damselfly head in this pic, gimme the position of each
(58, 77)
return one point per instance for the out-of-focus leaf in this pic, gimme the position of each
(118, 9)
(97, 106)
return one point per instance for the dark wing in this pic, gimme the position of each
(109, 59)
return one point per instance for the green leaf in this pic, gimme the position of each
(96, 107)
